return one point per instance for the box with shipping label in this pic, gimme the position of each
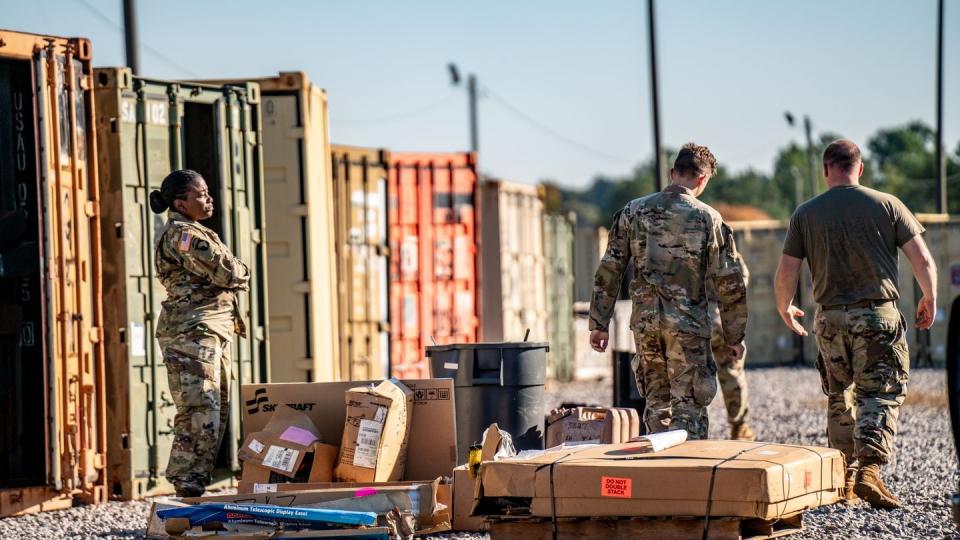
(432, 446)
(288, 446)
(695, 478)
(375, 433)
(576, 424)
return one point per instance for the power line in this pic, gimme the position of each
(398, 116)
(106, 19)
(549, 131)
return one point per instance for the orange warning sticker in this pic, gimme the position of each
(611, 486)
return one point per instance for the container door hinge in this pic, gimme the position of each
(95, 334)
(302, 287)
(92, 208)
(259, 333)
(300, 210)
(295, 133)
(257, 236)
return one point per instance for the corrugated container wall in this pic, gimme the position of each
(512, 289)
(589, 245)
(299, 206)
(360, 186)
(558, 254)
(433, 246)
(145, 129)
(52, 432)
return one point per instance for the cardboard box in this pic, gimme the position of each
(375, 433)
(424, 498)
(574, 425)
(289, 445)
(463, 487)
(734, 478)
(432, 446)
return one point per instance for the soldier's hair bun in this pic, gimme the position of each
(157, 204)
(175, 186)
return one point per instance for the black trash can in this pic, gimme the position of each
(495, 382)
(625, 392)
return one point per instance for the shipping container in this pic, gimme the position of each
(512, 284)
(433, 246)
(52, 399)
(146, 129)
(360, 182)
(558, 232)
(588, 246)
(299, 210)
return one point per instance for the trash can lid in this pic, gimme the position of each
(503, 345)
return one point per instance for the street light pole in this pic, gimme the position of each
(811, 160)
(472, 97)
(941, 163)
(130, 35)
(658, 159)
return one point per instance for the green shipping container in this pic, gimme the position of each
(558, 235)
(145, 129)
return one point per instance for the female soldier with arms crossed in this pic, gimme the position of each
(196, 325)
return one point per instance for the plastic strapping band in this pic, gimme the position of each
(713, 478)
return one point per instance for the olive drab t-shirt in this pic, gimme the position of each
(849, 236)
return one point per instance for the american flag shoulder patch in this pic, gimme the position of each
(186, 239)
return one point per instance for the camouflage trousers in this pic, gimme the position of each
(864, 367)
(677, 376)
(198, 372)
(731, 373)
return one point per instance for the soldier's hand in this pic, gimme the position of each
(790, 317)
(926, 312)
(736, 351)
(599, 340)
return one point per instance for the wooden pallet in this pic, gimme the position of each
(677, 528)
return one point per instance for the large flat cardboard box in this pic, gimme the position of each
(375, 433)
(432, 447)
(695, 478)
(463, 488)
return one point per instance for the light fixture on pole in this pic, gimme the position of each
(471, 102)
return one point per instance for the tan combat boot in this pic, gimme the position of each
(849, 494)
(870, 488)
(742, 432)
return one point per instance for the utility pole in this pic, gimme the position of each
(130, 35)
(811, 159)
(659, 162)
(940, 161)
(472, 97)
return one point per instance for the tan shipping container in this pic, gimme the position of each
(52, 433)
(299, 207)
(360, 179)
(513, 296)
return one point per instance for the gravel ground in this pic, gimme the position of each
(786, 405)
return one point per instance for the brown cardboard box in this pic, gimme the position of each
(463, 488)
(324, 457)
(287, 441)
(375, 433)
(574, 425)
(732, 478)
(432, 446)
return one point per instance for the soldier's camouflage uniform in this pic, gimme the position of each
(196, 326)
(864, 368)
(731, 372)
(677, 245)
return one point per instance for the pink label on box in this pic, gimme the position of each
(298, 435)
(366, 492)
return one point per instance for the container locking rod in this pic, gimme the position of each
(526, 335)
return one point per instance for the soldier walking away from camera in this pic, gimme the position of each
(731, 368)
(200, 316)
(849, 236)
(677, 245)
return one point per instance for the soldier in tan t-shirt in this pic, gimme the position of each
(849, 236)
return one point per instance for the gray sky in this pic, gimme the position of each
(565, 93)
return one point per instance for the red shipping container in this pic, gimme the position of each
(433, 250)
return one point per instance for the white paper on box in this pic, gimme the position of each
(368, 440)
(264, 488)
(281, 458)
(667, 439)
(256, 446)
